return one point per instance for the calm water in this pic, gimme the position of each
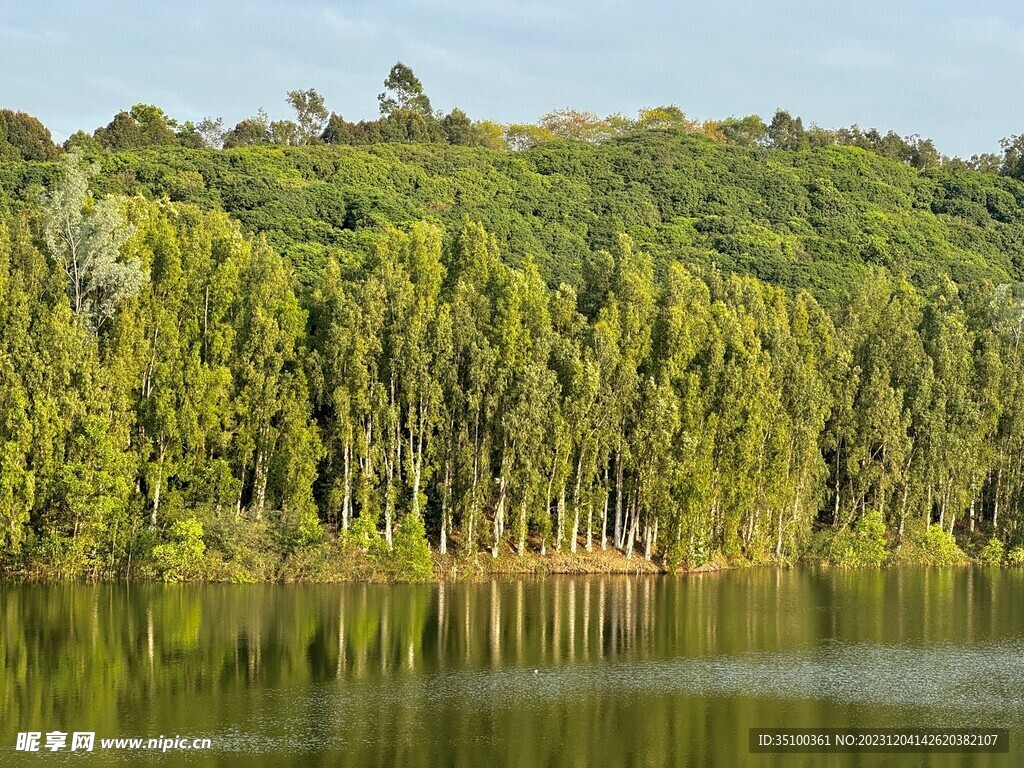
(591, 671)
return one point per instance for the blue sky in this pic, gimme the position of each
(952, 71)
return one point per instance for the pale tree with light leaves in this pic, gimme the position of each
(86, 236)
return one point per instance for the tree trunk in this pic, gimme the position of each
(499, 514)
(778, 539)
(389, 502)
(618, 497)
(604, 513)
(470, 538)
(522, 527)
(633, 513)
(590, 526)
(260, 476)
(346, 503)
(446, 502)
(418, 468)
(995, 508)
(576, 504)
(159, 482)
(560, 513)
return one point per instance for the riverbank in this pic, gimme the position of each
(195, 555)
(348, 563)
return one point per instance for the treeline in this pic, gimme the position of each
(174, 401)
(407, 116)
(813, 219)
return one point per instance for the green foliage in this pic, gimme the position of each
(403, 93)
(23, 137)
(310, 113)
(144, 126)
(863, 546)
(692, 348)
(181, 558)
(410, 559)
(869, 539)
(86, 239)
(992, 553)
(935, 547)
(364, 534)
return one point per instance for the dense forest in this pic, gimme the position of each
(278, 349)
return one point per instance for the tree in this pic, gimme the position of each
(188, 136)
(286, 133)
(1013, 156)
(403, 91)
(83, 143)
(786, 131)
(85, 238)
(458, 128)
(251, 131)
(310, 114)
(521, 136)
(25, 136)
(749, 131)
(671, 116)
(575, 124)
(268, 381)
(212, 131)
(143, 126)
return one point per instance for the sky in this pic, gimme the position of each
(950, 71)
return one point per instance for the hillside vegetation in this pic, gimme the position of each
(250, 362)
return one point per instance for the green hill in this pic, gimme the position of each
(663, 343)
(813, 218)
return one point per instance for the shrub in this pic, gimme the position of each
(410, 559)
(363, 534)
(864, 546)
(992, 552)
(181, 558)
(934, 547)
(869, 539)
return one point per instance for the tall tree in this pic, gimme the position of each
(403, 91)
(310, 113)
(86, 242)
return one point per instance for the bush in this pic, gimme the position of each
(181, 558)
(934, 547)
(864, 546)
(869, 539)
(1016, 556)
(992, 552)
(363, 534)
(410, 560)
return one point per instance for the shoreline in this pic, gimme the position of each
(338, 564)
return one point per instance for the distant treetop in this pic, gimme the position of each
(407, 116)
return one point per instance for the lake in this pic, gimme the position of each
(563, 671)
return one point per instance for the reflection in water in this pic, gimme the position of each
(564, 671)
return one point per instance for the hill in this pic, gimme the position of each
(238, 363)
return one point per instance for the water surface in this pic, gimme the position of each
(592, 671)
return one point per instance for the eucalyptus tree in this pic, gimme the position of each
(85, 238)
(266, 374)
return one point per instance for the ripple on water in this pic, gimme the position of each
(986, 679)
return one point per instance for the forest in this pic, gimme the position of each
(321, 349)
